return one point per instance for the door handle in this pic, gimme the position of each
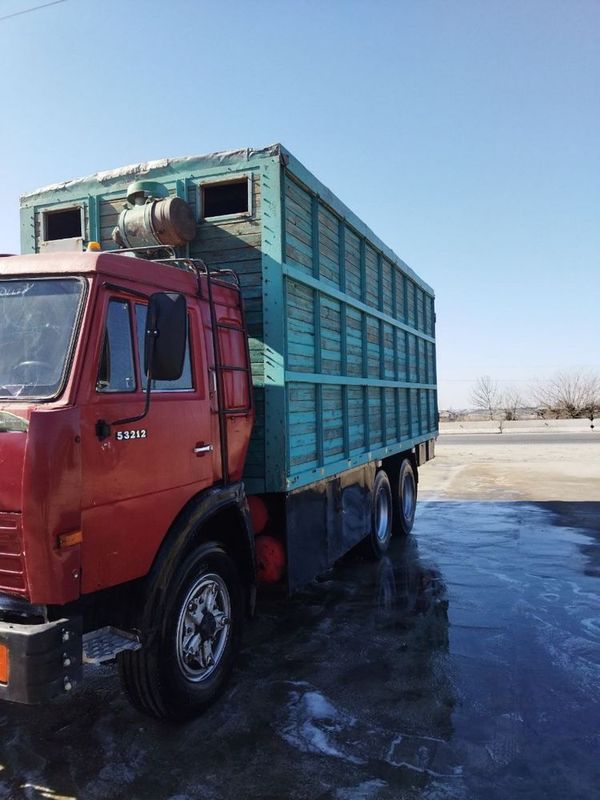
(213, 380)
(200, 449)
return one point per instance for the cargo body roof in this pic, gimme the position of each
(227, 160)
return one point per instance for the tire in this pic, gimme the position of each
(378, 540)
(187, 658)
(405, 498)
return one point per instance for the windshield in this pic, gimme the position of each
(37, 323)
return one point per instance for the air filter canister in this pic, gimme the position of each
(150, 220)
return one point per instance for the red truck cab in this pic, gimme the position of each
(120, 506)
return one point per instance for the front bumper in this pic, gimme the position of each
(42, 660)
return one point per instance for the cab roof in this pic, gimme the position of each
(123, 267)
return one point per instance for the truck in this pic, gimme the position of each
(212, 375)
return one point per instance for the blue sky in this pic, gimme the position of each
(466, 134)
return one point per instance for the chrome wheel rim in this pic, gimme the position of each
(408, 496)
(382, 515)
(203, 627)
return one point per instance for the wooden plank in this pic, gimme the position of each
(422, 361)
(307, 279)
(329, 271)
(111, 207)
(433, 421)
(371, 292)
(222, 258)
(352, 264)
(300, 326)
(294, 192)
(329, 241)
(299, 300)
(404, 413)
(298, 246)
(333, 428)
(422, 410)
(389, 403)
(387, 287)
(328, 245)
(410, 300)
(297, 217)
(353, 342)
(296, 253)
(414, 412)
(299, 233)
(374, 417)
(388, 360)
(356, 419)
(412, 359)
(240, 229)
(328, 220)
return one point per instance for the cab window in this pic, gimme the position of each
(184, 383)
(116, 372)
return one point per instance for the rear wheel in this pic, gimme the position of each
(405, 498)
(378, 540)
(186, 660)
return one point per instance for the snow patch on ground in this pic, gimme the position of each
(367, 790)
(423, 754)
(316, 726)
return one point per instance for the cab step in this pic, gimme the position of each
(103, 645)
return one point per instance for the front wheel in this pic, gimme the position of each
(405, 498)
(186, 661)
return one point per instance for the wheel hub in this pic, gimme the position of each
(382, 515)
(208, 627)
(203, 627)
(408, 496)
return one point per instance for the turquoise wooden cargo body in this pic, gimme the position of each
(342, 332)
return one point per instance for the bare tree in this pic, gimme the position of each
(486, 395)
(512, 402)
(593, 406)
(570, 394)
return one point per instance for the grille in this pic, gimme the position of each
(12, 563)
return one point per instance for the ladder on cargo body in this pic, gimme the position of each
(228, 279)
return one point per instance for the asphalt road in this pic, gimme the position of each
(522, 438)
(464, 665)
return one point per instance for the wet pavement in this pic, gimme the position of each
(466, 664)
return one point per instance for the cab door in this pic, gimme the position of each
(138, 476)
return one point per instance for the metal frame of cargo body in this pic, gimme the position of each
(342, 332)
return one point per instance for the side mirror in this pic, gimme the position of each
(166, 336)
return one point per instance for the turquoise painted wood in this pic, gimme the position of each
(342, 331)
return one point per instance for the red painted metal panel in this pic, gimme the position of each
(52, 503)
(12, 456)
(134, 488)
